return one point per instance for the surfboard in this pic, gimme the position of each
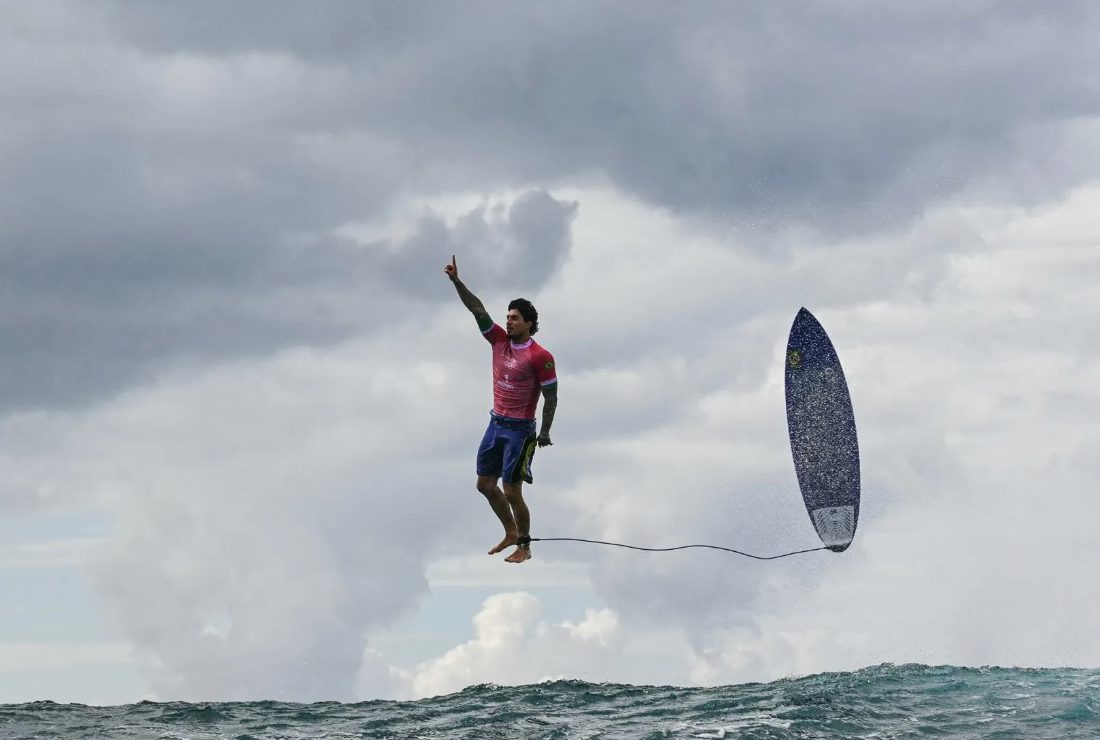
(822, 430)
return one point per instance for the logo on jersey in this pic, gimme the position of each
(549, 365)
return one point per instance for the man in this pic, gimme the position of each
(521, 370)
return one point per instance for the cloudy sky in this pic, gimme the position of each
(239, 400)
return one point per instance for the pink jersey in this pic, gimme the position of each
(520, 371)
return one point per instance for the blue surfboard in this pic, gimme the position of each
(822, 429)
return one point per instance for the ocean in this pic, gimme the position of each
(886, 701)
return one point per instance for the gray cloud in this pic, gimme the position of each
(261, 534)
(79, 325)
(158, 162)
(182, 187)
(831, 114)
(522, 245)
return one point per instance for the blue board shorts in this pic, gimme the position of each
(507, 449)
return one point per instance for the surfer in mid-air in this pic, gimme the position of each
(522, 369)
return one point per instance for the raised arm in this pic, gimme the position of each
(471, 301)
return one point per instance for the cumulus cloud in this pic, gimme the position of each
(85, 325)
(260, 530)
(522, 244)
(514, 645)
(225, 327)
(175, 198)
(270, 514)
(972, 390)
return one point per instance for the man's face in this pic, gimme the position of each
(514, 324)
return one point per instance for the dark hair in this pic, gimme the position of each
(527, 311)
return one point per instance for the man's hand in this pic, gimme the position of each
(544, 439)
(477, 308)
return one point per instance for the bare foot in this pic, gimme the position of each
(521, 554)
(508, 541)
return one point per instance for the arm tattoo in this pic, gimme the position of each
(471, 301)
(549, 406)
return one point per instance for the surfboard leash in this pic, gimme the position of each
(527, 540)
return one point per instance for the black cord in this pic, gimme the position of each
(670, 549)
